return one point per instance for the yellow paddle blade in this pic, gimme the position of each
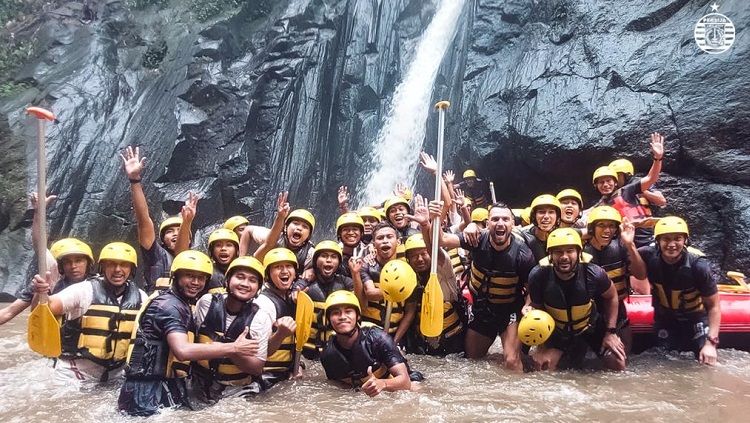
(431, 316)
(304, 319)
(44, 332)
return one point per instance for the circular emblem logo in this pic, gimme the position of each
(714, 33)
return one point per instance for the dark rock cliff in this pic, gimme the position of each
(274, 95)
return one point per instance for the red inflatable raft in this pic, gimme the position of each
(734, 300)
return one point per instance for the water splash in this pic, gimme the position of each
(400, 140)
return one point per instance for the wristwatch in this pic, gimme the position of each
(714, 340)
(612, 331)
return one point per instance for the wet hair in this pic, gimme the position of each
(501, 205)
(383, 225)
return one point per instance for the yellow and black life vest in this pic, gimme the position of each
(106, 327)
(280, 363)
(500, 287)
(458, 262)
(353, 371)
(376, 310)
(149, 356)
(453, 323)
(679, 295)
(213, 329)
(318, 290)
(575, 312)
(613, 259)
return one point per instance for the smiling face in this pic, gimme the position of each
(571, 210)
(370, 223)
(283, 275)
(545, 218)
(243, 284)
(419, 259)
(499, 225)
(297, 233)
(169, 239)
(191, 283)
(397, 216)
(343, 318)
(327, 262)
(223, 251)
(671, 246)
(564, 260)
(117, 272)
(605, 185)
(74, 267)
(605, 231)
(350, 235)
(385, 241)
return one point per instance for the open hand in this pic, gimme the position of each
(134, 163)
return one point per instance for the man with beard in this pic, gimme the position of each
(364, 358)
(545, 217)
(221, 317)
(349, 230)
(628, 199)
(162, 344)
(99, 314)
(612, 248)
(385, 240)
(328, 278)
(275, 299)
(157, 255)
(583, 302)
(500, 266)
(571, 204)
(685, 296)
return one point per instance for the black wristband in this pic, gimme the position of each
(657, 160)
(612, 331)
(134, 181)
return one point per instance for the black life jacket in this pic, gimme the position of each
(319, 290)
(375, 311)
(353, 372)
(537, 246)
(680, 295)
(573, 313)
(613, 259)
(301, 253)
(213, 329)
(280, 363)
(499, 286)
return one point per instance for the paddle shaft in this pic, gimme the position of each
(388, 310)
(436, 228)
(492, 192)
(41, 208)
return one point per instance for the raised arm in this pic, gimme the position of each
(134, 165)
(184, 350)
(343, 199)
(282, 211)
(186, 227)
(657, 152)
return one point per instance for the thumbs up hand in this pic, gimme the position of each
(373, 386)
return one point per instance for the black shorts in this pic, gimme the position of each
(491, 320)
(681, 334)
(575, 347)
(146, 397)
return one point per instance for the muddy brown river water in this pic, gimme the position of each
(654, 388)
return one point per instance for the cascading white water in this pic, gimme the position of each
(400, 140)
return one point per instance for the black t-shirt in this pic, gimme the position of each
(370, 272)
(157, 261)
(165, 314)
(488, 258)
(596, 280)
(373, 349)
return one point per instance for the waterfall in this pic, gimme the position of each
(401, 137)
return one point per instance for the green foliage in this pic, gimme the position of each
(11, 88)
(204, 10)
(12, 56)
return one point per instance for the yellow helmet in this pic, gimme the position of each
(544, 200)
(119, 251)
(604, 213)
(342, 297)
(564, 236)
(469, 173)
(479, 214)
(414, 242)
(233, 222)
(246, 262)
(468, 202)
(370, 212)
(168, 223)
(397, 280)
(570, 193)
(526, 216)
(535, 327)
(408, 194)
(328, 245)
(194, 261)
(382, 214)
(223, 234)
(303, 215)
(622, 166)
(393, 201)
(279, 255)
(603, 171)
(671, 225)
(70, 246)
(348, 219)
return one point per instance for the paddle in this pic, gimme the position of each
(44, 329)
(431, 315)
(492, 192)
(303, 317)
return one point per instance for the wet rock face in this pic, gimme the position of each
(290, 95)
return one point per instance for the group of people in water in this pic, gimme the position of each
(221, 323)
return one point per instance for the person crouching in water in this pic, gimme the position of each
(328, 278)
(275, 299)
(99, 313)
(364, 358)
(222, 317)
(162, 343)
